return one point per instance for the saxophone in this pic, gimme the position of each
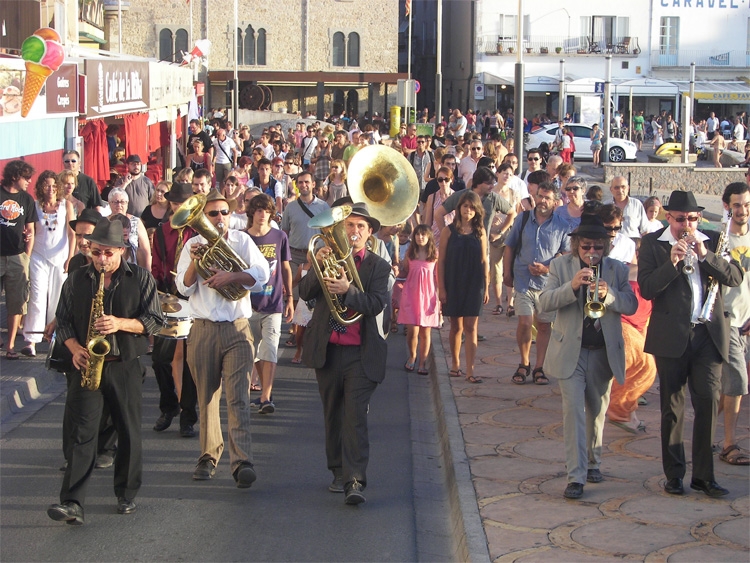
(96, 343)
(713, 286)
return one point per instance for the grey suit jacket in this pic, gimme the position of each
(558, 295)
(374, 273)
(669, 289)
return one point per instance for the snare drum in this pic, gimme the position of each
(176, 328)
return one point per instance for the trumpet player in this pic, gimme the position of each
(588, 291)
(688, 351)
(220, 344)
(131, 312)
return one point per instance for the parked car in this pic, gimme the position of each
(619, 149)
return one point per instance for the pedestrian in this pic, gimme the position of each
(420, 311)
(652, 205)
(463, 279)
(596, 144)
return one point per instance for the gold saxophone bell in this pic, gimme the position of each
(217, 253)
(594, 308)
(96, 344)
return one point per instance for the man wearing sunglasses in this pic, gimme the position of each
(220, 344)
(468, 166)
(689, 349)
(86, 190)
(533, 163)
(622, 247)
(584, 353)
(131, 312)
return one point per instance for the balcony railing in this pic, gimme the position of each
(542, 44)
(716, 57)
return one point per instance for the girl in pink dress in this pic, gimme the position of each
(420, 310)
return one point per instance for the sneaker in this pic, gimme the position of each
(573, 491)
(245, 475)
(267, 407)
(256, 403)
(354, 493)
(337, 485)
(594, 476)
(204, 470)
(642, 401)
(187, 431)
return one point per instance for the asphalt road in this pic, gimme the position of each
(287, 515)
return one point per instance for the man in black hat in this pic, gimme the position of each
(177, 394)
(584, 352)
(84, 225)
(349, 361)
(131, 313)
(138, 186)
(688, 349)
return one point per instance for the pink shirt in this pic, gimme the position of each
(352, 336)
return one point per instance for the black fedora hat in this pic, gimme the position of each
(107, 233)
(682, 201)
(591, 227)
(87, 216)
(179, 192)
(362, 210)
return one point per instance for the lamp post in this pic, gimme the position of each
(607, 115)
(561, 95)
(519, 89)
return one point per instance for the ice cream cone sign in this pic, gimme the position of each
(43, 54)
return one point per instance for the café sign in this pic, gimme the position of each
(114, 87)
(62, 90)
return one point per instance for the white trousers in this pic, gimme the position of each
(45, 284)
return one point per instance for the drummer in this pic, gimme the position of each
(177, 394)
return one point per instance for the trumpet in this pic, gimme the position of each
(688, 268)
(594, 308)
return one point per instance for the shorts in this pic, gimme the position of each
(14, 278)
(266, 329)
(527, 304)
(734, 372)
(639, 135)
(496, 264)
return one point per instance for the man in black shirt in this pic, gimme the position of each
(86, 190)
(131, 312)
(197, 133)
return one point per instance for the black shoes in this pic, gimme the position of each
(68, 512)
(165, 420)
(711, 488)
(594, 476)
(573, 491)
(125, 506)
(244, 475)
(337, 485)
(187, 431)
(267, 407)
(674, 486)
(204, 470)
(354, 494)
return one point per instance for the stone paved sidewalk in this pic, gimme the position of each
(513, 439)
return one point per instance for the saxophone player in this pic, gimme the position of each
(220, 344)
(687, 350)
(131, 311)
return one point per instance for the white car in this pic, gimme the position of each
(619, 149)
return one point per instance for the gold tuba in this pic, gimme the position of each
(217, 253)
(594, 308)
(96, 343)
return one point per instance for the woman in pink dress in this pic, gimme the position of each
(419, 311)
(444, 179)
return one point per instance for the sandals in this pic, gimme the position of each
(498, 310)
(474, 379)
(511, 311)
(456, 373)
(296, 360)
(291, 343)
(409, 366)
(423, 371)
(539, 377)
(519, 378)
(11, 355)
(255, 386)
(733, 455)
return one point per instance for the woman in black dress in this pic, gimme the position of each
(463, 279)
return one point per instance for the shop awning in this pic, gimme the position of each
(736, 92)
(530, 83)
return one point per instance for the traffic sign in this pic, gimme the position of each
(598, 87)
(417, 86)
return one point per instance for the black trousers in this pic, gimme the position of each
(345, 392)
(700, 368)
(107, 441)
(161, 360)
(120, 389)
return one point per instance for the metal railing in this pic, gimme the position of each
(544, 44)
(716, 57)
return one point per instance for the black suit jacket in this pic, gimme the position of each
(373, 273)
(669, 289)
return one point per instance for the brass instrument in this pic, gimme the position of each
(333, 235)
(96, 343)
(594, 308)
(217, 253)
(688, 268)
(713, 286)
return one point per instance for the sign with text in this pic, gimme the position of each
(62, 90)
(169, 85)
(116, 87)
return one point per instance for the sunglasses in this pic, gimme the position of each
(70, 161)
(591, 246)
(97, 253)
(691, 218)
(476, 148)
(573, 189)
(217, 212)
(443, 180)
(533, 159)
(619, 227)
(420, 142)
(118, 202)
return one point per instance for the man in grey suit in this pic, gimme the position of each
(584, 353)
(349, 360)
(688, 349)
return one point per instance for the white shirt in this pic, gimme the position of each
(711, 124)
(623, 248)
(466, 169)
(227, 145)
(207, 303)
(634, 219)
(268, 151)
(695, 277)
(519, 186)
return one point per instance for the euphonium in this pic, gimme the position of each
(217, 253)
(594, 308)
(333, 235)
(96, 343)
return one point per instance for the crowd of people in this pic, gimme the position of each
(548, 248)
